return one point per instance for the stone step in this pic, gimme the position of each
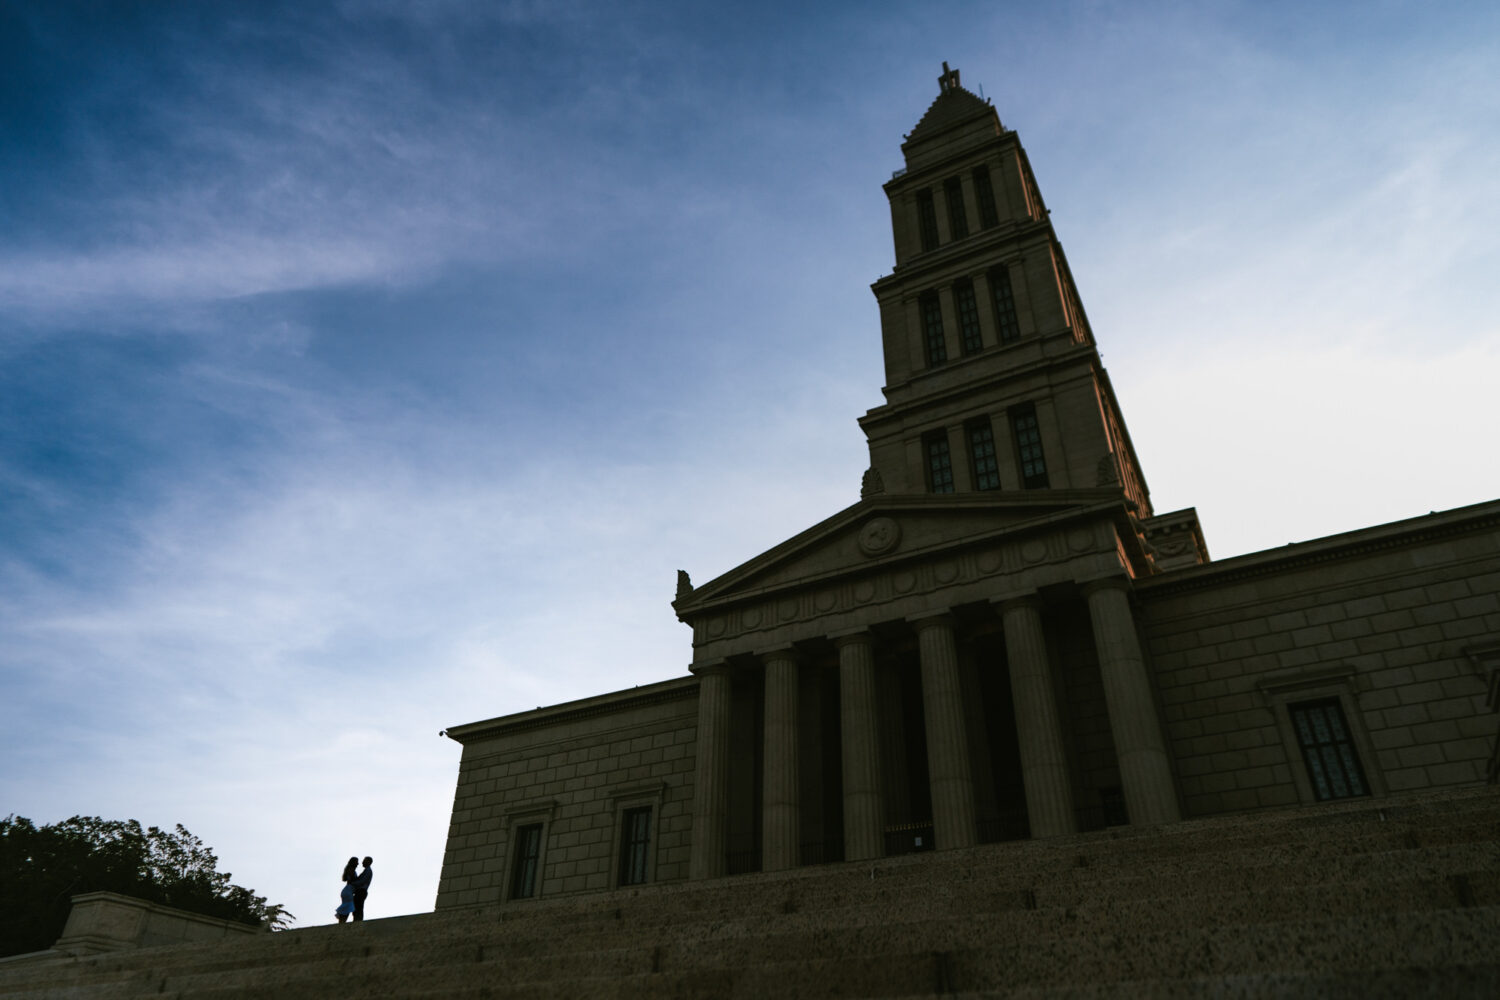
(1254, 878)
(766, 940)
(1402, 880)
(942, 957)
(776, 894)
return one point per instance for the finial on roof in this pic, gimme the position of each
(948, 80)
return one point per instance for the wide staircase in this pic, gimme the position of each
(1392, 898)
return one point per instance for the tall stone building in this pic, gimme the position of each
(1001, 639)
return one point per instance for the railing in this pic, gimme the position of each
(1011, 824)
(820, 852)
(1109, 812)
(743, 862)
(909, 838)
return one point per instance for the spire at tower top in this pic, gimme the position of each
(949, 80)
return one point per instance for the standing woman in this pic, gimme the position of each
(347, 895)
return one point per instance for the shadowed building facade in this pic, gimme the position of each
(1001, 639)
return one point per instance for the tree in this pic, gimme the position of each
(42, 868)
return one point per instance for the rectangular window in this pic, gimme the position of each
(927, 219)
(986, 195)
(933, 343)
(968, 315)
(635, 839)
(982, 454)
(1029, 447)
(1005, 304)
(958, 220)
(1328, 750)
(523, 868)
(939, 462)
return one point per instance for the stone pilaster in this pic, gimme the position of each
(859, 731)
(1044, 760)
(948, 769)
(711, 774)
(1145, 771)
(781, 820)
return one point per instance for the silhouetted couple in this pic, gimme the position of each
(356, 888)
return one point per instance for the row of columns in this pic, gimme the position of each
(1145, 772)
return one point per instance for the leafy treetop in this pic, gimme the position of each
(42, 868)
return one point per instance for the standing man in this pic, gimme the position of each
(362, 889)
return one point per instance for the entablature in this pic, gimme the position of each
(893, 557)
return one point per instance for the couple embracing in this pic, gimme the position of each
(356, 888)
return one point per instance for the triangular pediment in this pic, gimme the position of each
(885, 530)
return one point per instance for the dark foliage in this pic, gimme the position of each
(42, 868)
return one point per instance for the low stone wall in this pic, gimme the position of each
(107, 921)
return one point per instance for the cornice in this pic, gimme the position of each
(945, 165)
(1332, 548)
(677, 689)
(1056, 508)
(1071, 354)
(914, 269)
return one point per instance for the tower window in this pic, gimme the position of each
(986, 195)
(635, 839)
(939, 462)
(523, 868)
(927, 219)
(1332, 764)
(958, 221)
(934, 346)
(982, 454)
(968, 315)
(1029, 447)
(1005, 304)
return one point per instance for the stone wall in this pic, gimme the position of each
(108, 921)
(573, 769)
(1389, 621)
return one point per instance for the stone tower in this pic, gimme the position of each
(993, 381)
(955, 657)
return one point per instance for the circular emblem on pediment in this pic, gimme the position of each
(1080, 539)
(825, 600)
(715, 626)
(988, 562)
(750, 617)
(879, 536)
(946, 571)
(904, 582)
(1034, 550)
(864, 590)
(786, 610)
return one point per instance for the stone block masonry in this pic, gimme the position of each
(572, 770)
(1381, 622)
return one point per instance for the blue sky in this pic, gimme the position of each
(368, 368)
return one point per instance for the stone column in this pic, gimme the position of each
(781, 820)
(711, 773)
(1044, 759)
(1145, 772)
(859, 731)
(947, 740)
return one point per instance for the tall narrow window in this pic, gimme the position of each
(635, 839)
(1332, 764)
(939, 462)
(986, 195)
(968, 315)
(933, 344)
(927, 219)
(1029, 447)
(1005, 304)
(982, 454)
(958, 220)
(523, 867)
